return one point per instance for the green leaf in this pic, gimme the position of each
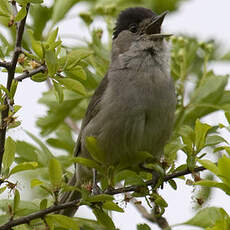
(224, 169)
(5, 9)
(2, 55)
(13, 88)
(26, 151)
(87, 162)
(88, 224)
(73, 85)
(130, 177)
(103, 218)
(77, 73)
(16, 199)
(43, 204)
(2, 87)
(55, 45)
(10, 148)
(58, 92)
(109, 205)
(209, 93)
(210, 183)
(39, 77)
(207, 217)
(60, 9)
(173, 184)
(60, 144)
(40, 15)
(47, 154)
(52, 36)
(159, 200)
(57, 115)
(2, 189)
(24, 166)
(210, 166)
(201, 130)
(188, 138)
(214, 140)
(21, 14)
(36, 1)
(55, 172)
(36, 45)
(209, 90)
(64, 221)
(72, 59)
(35, 182)
(51, 62)
(95, 150)
(99, 198)
(143, 227)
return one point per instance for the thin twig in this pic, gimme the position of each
(39, 214)
(5, 64)
(149, 182)
(28, 74)
(11, 73)
(161, 221)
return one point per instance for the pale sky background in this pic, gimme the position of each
(202, 18)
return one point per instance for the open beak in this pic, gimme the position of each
(155, 25)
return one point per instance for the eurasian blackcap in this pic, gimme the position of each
(133, 107)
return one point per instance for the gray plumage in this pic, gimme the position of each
(133, 108)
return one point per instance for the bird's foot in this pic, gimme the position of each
(96, 190)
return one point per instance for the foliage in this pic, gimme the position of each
(74, 73)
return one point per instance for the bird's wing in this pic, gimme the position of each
(92, 110)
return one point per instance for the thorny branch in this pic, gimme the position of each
(161, 221)
(11, 71)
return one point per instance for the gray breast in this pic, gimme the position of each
(137, 108)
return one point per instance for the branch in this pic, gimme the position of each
(134, 188)
(39, 214)
(161, 221)
(5, 64)
(11, 72)
(28, 74)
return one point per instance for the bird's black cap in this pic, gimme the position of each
(130, 16)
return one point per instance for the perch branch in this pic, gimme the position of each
(161, 221)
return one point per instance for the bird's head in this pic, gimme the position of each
(137, 24)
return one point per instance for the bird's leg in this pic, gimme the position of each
(156, 179)
(157, 174)
(96, 189)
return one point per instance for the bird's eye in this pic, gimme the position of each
(133, 28)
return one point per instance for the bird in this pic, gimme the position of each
(133, 107)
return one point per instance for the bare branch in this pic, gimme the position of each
(5, 64)
(11, 73)
(39, 214)
(28, 74)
